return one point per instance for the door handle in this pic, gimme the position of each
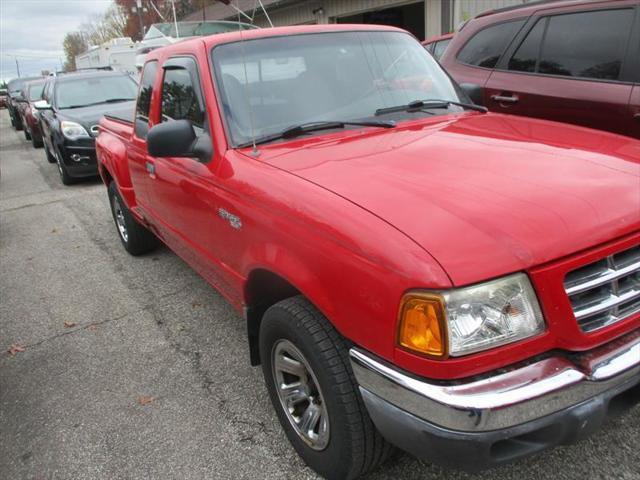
(151, 169)
(504, 99)
(637, 116)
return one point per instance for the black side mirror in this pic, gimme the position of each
(175, 138)
(474, 92)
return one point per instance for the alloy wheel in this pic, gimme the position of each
(300, 395)
(120, 222)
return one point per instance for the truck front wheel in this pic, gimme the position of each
(311, 385)
(135, 238)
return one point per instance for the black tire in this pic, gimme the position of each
(50, 158)
(27, 135)
(354, 445)
(36, 143)
(136, 240)
(65, 178)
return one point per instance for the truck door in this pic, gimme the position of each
(183, 189)
(136, 155)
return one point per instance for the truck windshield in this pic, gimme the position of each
(95, 90)
(269, 84)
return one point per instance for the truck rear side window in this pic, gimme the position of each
(485, 48)
(144, 99)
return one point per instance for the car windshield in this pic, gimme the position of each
(35, 91)
(95, 90)
(270, 84)
(192, 29)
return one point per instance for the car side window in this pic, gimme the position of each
(583, 45)
(440, 47)
(525, 59)
(485, 48)
(180, 99)
(143, 105)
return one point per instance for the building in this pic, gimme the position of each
(118, 53)
(424, 18)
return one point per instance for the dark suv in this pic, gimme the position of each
(71, 108)
(571, 61)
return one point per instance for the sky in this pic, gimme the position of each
(33, 31)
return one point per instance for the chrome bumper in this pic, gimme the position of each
(505, 399)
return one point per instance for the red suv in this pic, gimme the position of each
(571, 61)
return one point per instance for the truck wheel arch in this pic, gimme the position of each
(264, 288)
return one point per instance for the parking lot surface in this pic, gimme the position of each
(135, 368)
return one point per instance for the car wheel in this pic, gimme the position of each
(306, 368)
(135, 238)
(65, 178)
(50, 158)
(27, 135)
(36, 143)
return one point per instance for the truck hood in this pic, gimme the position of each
(485, 195)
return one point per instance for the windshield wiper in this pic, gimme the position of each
(303, 128)
(116, 100)
(419, 105)
(111, 100)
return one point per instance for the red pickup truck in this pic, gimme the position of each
(413, 271)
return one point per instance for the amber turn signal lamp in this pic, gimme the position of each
(421, 326)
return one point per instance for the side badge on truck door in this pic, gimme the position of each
(233, 220)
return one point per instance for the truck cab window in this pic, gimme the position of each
(180, 100)
(144, 99)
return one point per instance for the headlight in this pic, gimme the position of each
(73, 130)
(470, 319)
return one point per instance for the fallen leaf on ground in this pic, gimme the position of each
(15, 348)
(195, 304)
(93, 327)
(145, 400)
(54, 230)
(69, 324)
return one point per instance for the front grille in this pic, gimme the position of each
(606, 291)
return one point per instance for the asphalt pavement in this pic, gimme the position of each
(135, 368)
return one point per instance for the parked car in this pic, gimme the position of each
(3, 97)
(15, 90)
(71, 108)
(460, 284)
(570, 61)
(438, 44)
(29, 116)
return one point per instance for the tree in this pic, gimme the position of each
(102, 28)
(73, 44)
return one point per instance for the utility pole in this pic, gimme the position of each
(17, 66)
(204, 15)
(139, 10)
